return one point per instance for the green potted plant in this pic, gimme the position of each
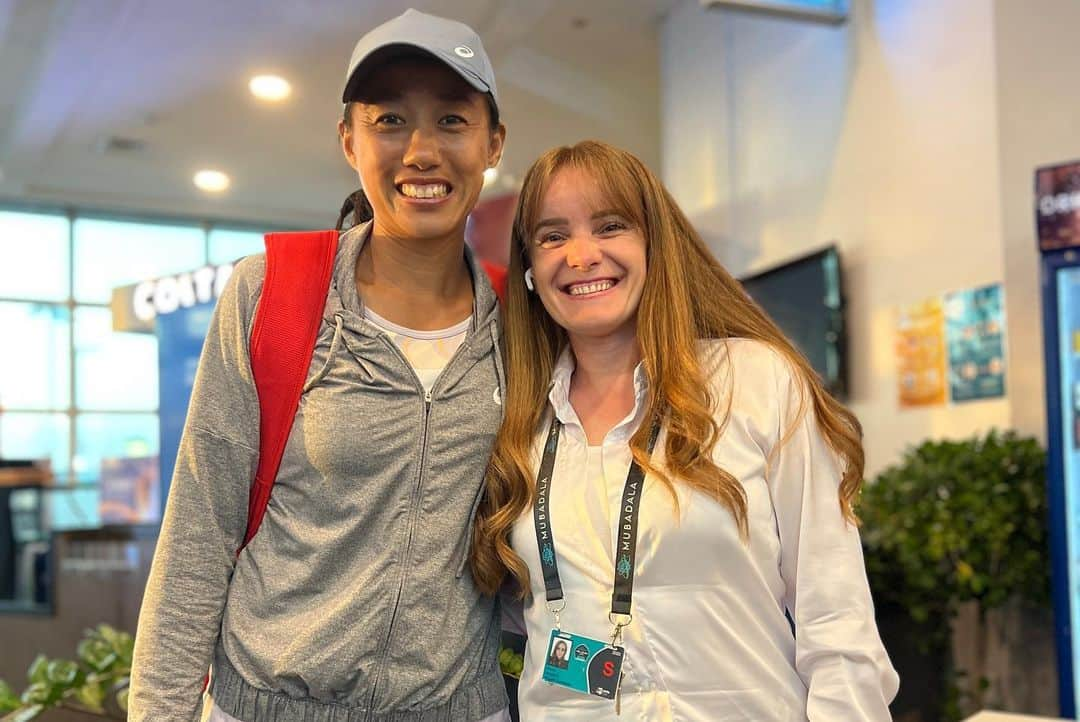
(955, 522)
(97, 683)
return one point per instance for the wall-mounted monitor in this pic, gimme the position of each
(804, 297)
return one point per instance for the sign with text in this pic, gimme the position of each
(1057, 206)
(134, 308)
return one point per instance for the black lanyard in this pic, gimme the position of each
(626, 546)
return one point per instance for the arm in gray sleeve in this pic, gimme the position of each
(204, 518)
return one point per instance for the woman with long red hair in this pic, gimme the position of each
(672, 487)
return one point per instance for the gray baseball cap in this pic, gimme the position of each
(455, 44)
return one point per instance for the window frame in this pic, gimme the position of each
(73, 411)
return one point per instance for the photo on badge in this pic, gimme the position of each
(594, 666)
(557, 656)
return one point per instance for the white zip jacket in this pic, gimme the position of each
(710, 640)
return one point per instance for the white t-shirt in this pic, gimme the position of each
(427, 352)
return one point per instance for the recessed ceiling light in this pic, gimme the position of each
(490, 175)
(270, 87)
(211, 181)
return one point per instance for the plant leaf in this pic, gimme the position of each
(23, 715)
(37, 693)
(8, 699)
(39, 669)
(62, 672)
(92, 696)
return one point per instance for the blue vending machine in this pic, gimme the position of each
(1057, 192)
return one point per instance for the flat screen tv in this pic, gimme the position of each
(804, 298)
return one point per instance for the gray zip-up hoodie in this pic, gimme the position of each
(353, 603)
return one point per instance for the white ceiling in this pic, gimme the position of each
(172, 75)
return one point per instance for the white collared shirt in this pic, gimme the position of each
(709, 639)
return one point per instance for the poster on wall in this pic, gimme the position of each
(920, 354)
(130, 491)
(975, 332)
(1057, 206)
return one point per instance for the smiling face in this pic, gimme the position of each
(588, 259)
(420, 140)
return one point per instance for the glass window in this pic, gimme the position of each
(35, 363)
(111, 436)
(109, 254)
(113, 370)
(74, 508)
(227, 246)
(34, 249)
(36, 436)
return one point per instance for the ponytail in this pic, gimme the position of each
(357, 206)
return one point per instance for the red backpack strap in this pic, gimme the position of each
(497, 275)
(287, 321)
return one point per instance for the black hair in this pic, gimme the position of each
(356, 203)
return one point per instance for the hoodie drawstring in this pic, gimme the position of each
(329, 356)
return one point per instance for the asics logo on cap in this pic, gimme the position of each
(464, 51)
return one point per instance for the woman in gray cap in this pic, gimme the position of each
(353, 603)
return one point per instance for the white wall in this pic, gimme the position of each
(1039, 114)
(779, 136)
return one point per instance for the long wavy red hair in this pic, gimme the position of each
(688, 296)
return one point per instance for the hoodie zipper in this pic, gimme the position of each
(414, 508)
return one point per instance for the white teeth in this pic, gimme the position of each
(587, 288)
(432, 190)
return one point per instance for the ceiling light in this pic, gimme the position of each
(270, 87)
(490, 175)
(211, 181)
